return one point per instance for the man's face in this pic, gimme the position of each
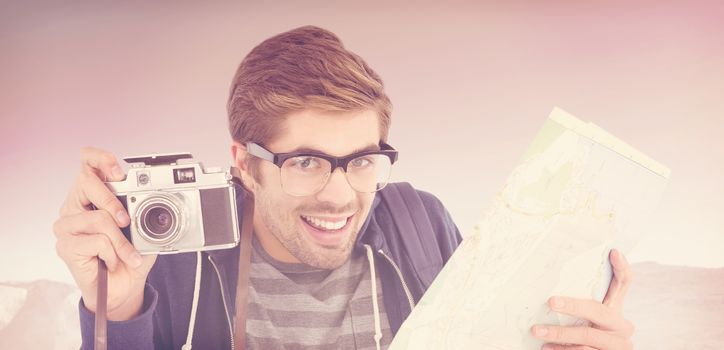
(304, 228)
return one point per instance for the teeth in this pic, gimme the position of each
(326, 225)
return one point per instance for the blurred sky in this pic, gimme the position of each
(471, 85)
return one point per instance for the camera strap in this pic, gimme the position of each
(242, 284)
(101, 337)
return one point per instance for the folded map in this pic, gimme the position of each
(578, 193)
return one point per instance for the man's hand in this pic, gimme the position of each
(85, 235)
(609, 330)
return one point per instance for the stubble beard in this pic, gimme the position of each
(285, 227)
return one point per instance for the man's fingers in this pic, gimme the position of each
(93, 191)
(586, 336)
(621, 282)
(102, 163)
(99, 221)
(602, 316)
(97, 166)
(71, 246)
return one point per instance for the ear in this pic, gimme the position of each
(241, 158)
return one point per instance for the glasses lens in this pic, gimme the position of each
(304, 175)
(369, 173)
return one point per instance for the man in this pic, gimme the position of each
(327, 269)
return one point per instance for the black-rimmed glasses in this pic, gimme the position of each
(306, 173)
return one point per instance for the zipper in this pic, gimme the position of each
(223, 298)
(399, 274)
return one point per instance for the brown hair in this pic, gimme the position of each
(304, 68)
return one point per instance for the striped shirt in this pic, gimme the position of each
(296, 306)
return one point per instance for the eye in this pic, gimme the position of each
(305, 163)
(361, 162)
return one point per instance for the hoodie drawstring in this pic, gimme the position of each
(375, 306)
(195, 304)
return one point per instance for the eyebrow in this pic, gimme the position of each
(371, 147)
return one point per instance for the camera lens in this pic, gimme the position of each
(159, 220)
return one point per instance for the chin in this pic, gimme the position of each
(326, 256)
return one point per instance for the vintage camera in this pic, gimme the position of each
(177, 206)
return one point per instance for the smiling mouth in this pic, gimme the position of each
(326, 224)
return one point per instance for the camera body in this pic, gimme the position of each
(177, 206)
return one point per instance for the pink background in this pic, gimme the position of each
(471, 85)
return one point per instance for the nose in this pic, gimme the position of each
(337, 191)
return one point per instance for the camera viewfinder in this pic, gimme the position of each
(184, 175)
